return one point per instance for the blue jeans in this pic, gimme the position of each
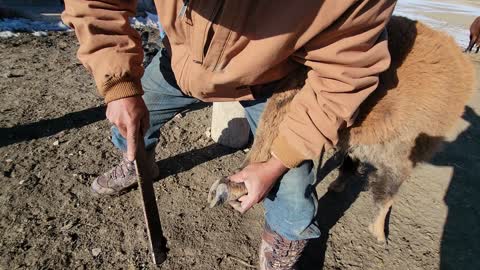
(290, 207)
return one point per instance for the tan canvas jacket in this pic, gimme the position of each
(223, 49)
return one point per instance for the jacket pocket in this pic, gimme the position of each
(203, 14)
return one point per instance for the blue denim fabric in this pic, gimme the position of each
(290, 207)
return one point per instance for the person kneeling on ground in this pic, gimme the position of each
(239, 51)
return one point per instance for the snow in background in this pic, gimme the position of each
(12, 27)
(416, 10)
(151, 20)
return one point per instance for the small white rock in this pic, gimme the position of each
(8, 160)
(96, 252)
(229, 125)
(246, 150)
(56, 143)
(178, 116)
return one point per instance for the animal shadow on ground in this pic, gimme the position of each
(331, 207)
(459, 244)
(186, 161)
(48, 127)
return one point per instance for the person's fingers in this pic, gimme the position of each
(236, 205)
(132, 140)
(238, 177)
(145, 124)
(122, 129)
(247, 203)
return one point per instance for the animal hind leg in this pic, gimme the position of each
(471, 43)
(377, 227)
(346, 171)
(384, 185)
(476, 42)
(394, 163)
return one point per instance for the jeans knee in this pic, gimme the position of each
(291, 206)
(294, 225)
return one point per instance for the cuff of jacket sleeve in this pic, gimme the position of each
(287, 154)
(121, 88)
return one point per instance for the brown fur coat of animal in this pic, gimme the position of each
(424, 93)
(404, 122)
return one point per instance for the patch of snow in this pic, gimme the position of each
(8, 34)
(413, 9)
(11, 27)
(438, 6)
(26, 25)
(419, 9)
(460, 34)
(40, 33)
(151, 20)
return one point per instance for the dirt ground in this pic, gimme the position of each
(54, 140)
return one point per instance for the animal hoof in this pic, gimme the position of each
(218, 193)
(377, 232)
(224, 190)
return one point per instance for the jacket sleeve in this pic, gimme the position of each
(344, 63)
(109, 47)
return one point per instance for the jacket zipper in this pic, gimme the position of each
(205, 31)
(183, 10)
(185, 13)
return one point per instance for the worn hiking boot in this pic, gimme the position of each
(122, 177)
(278, 253)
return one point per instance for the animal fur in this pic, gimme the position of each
(474, 36)
(419, 100)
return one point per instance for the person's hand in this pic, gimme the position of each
(130, 116)
(259, 179)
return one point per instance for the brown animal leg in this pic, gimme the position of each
(384, 185)
(474, 41)
(377, 227)
(394, 163)
(471, 43)
(346, 171)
